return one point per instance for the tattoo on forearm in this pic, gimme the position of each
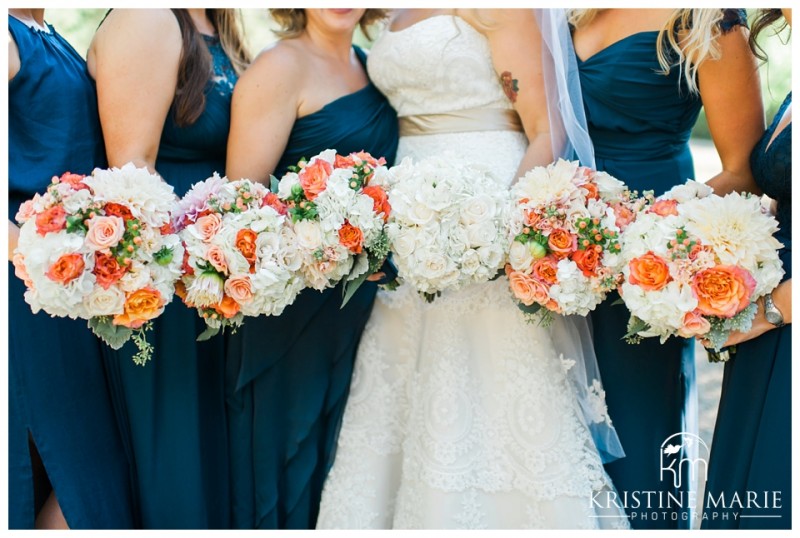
(510, 86)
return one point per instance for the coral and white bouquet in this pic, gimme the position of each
(101, 248)
(242, 258)
(566, 222)
(448, 224)
(695, 263)
(338, 206)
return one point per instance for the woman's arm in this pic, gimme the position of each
(134, 58)
(14, 62)
(731, 93)
(516, 46)
(263, 111)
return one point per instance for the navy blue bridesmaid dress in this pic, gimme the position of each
(640, 122)
(288, 376)
(752, 447)
(59, 402)
(173, 407)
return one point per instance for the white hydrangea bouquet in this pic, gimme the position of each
(101, 248)
(242, 257)
(566, 222)
(695, 263)
(448, 226)
(338, 207)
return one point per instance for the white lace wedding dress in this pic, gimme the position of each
(460, 414)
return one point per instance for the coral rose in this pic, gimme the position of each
(623, 215)
(545, 269)
(380, 200)
(113, 209)
(272, 200)
(246, 243)
(140, 306)
(107, 269)
(314, 178)
(664, 208)
(52, 219)
(694, 324)
(104, 232)
(208, 226)
(239, 289)
(587, 261)
(227, 308)
(25, 211)
(650, 272)
(186, 267)
(561, 242)
(73, 180)
(351, 238)
(66, 268)
(723, 291)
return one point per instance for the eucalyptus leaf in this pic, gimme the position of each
(113, 335)
(352, 286)
(209, 333)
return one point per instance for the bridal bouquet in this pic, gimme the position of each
(101, 248)
(566, 222)
(694, 264)
(448, 224)
(242, 258)
(338, 206)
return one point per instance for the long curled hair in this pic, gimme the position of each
(196, 65)
(292, 21)
(764, 19)
(687, 39)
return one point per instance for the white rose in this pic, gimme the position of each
(491, 256)
(420, 214)
(610, 188)
(520, 257)
(286, 183)
(433, 266)
(482, 234)
(309, 234)
(478, 209)
(470, 262)
(403, 242)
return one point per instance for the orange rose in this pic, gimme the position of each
(246, 243)
(527, 289)
(664, 208)
(344, 161)
(52, 219)
(694, 324)
(561, 242)
(186, 267)
(239, 289)
(314, 178)
(140, 306)
(587, 261)
(380, 201)
(107, 270)
(207, 226)
(66, 269)
(351, 238)
(545, 269)
(650, 272)
(118, 210)
(272, 200)
(217, 260)
(167, 229)
(227, 308)
(592, 192)
(180, 291)
(723, 291)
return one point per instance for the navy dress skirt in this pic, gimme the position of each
(288, 376)
(640, 122)
(173, 408)
(59, 403)
(752, 447)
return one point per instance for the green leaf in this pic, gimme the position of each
(113, 335)
(635, 326)
(273, 184)
(618, 301)
(209, 333)
(351, 287)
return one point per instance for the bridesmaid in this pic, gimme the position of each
(165, 103)
(640, 108)
(289, 376)
(67, 465)
(752, 449)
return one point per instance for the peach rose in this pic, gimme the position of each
(217, 260)
(73, 180)
(227, 308)
(25, 211)
(723, 291)
(239, 289)
(208, 226)
(664, 208)
(67, 268)
(351, 238)
(587, 261)
(52, 219)
(694, 324)
(19, 269)
(104, 232)
(272, 200)
(561, 242)
(140, 306)
(107, 270)
(380, 201)
(650, 272)
(314, 178)
(113, 209)
(532, 218)
(623, 215)
(527, 289)
(246, 243)
(545, 269)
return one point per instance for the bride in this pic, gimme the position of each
(461, 414)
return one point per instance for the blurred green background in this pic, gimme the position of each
(78, 26)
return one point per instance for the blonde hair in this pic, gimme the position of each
(229, 28)
(292, 21)
(689, 34)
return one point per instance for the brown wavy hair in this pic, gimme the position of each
(292, 21)
(764, 19)
(196, 65)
